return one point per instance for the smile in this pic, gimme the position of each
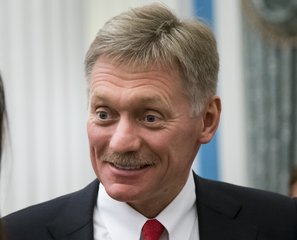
(129, 167)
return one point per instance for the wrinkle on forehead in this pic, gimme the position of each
(131, 98)
(104, 65)
(106, 73)
(130, 80)
(155, 85)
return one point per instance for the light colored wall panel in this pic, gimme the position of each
(232, 128)
(41, 61)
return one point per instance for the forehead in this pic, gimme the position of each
(151, 86)
(105, 70)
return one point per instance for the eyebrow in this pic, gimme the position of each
(151, 99)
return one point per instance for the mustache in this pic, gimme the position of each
(129, 158)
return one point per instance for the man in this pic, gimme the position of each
(152, 103)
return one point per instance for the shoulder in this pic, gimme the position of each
(273, 214)
(251, 196)
(34, 219)
(242, 211)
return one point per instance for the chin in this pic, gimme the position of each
(122, 193)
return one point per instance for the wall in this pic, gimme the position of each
(232, 141)
(41, 61)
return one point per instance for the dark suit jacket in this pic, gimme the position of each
(225, 212)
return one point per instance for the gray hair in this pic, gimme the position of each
(152, 34)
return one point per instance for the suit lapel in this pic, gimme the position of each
(75, 220)
(219, 214)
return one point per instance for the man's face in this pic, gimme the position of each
(143, 137)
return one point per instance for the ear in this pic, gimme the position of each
(211, 119)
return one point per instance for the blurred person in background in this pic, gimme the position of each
(152, 103)
(2, 115)
(293, 182)
(2, 126)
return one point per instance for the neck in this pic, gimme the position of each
(152, 207)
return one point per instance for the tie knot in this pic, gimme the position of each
(152, 230)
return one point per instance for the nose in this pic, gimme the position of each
(125, 137)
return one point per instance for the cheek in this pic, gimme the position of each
(92, 132)
(96, 135)
(96, 142)
(180, 143)
(163, 144)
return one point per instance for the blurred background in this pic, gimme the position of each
(42, 48)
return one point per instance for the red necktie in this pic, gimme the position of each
(152, 230)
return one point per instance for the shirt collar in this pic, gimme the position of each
(128, 222)
(183, 208)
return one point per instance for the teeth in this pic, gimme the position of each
(128, 167)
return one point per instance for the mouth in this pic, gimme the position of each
(129, 167)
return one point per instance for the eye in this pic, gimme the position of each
(151, 118)
(105, 115)
(102, 115)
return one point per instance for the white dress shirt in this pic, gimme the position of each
(114, 220)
